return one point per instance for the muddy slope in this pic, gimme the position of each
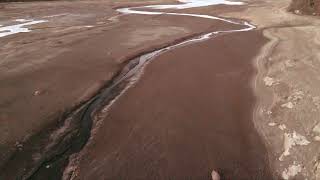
(189, 113)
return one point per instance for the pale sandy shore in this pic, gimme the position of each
(287, 111)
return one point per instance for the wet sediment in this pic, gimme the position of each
(47, 153)
(190, 112)
(76, 128)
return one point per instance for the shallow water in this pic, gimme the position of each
(194, 3)
(184, 4)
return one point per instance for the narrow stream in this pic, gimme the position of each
(185, 4)
(78, 123)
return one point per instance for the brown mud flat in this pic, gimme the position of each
(190, 113)
(32, 159)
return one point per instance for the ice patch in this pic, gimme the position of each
(131, 11)
(186, 4)
(18, 28)
(292, 171)
(194, 3)
(189, 4)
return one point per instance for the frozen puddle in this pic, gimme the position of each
(18, 28)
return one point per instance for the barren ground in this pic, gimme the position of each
(65, 61)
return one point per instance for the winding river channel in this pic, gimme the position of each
(79, 122)
(184, 5)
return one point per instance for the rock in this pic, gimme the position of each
(282, 127)
(288, 105)
(317, 169)
(316, 101)
(289, 63)
(316, 129)
(296, 96)
(19, 146)
(268, 81)
(272, 124)
(215, 175)
(269, 112)
(297, 11)
(36, 93)
(292, 171)
(291, 140)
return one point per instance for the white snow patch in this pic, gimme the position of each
(18, 28)
(188, 4)
(292, 171)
